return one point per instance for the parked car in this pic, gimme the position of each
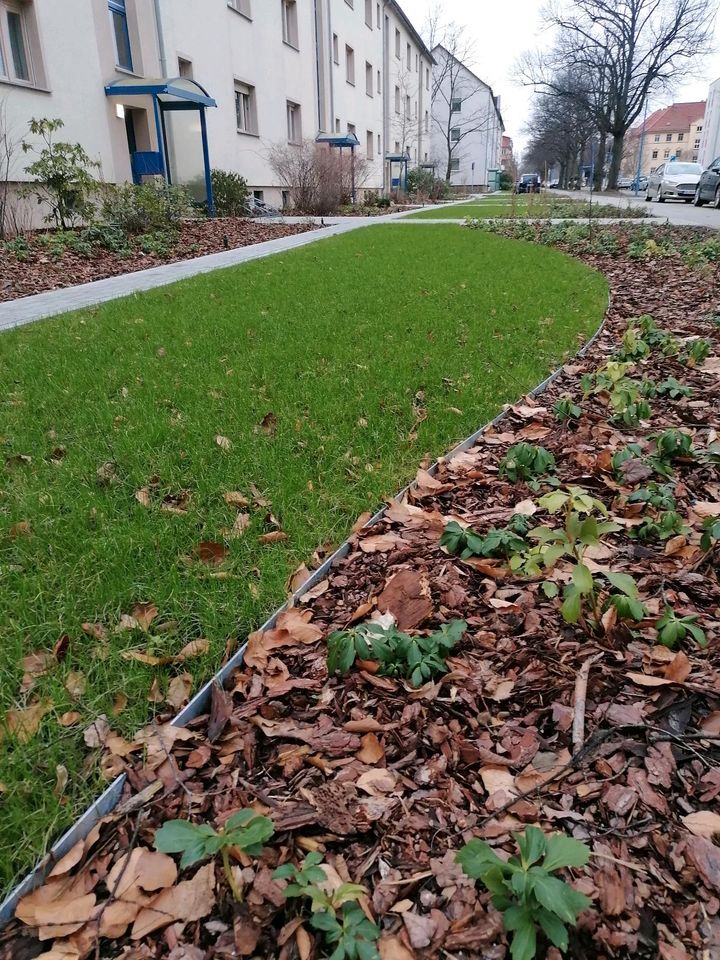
(625, 183)
(528, 183)
(673, 179)
(639, 183)
(708, 188)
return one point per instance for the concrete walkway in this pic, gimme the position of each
(15, 313)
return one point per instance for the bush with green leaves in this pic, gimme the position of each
(633, 347)
(145, 208)
(672, 629)
(62, 175)
(525, 890)
(106, 237)
(502, 542)
(417, 659)
(195, 841)
(526, 461)
(19, 247)
(230, 192)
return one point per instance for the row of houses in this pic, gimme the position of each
(175, 86)
(674, 132)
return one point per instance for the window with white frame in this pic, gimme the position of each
(427, 78)
(427, 122)
(668, 137)
(379, 145)
(681, 137)
(242, 6)
(368, 13)
(408, 56)
(666, 154)
(121, 34)
(369, 79)
(377, 16)
(397, 99)
(455, 134)
(290, 22)
(336, 49)
(657, 138)
(370, 144)
(454, 165)
(654, 155)
(698, 128)
(379, 82)
(407, 104)
(294, 127)
(349, 64)
(245, 113)
(697, 144)
(678, 153)
(456, 106)
(397, 43)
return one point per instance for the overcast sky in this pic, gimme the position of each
(501, 31)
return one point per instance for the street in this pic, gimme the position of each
(673, 211)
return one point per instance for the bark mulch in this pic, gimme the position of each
(388, 781)
(38, 270)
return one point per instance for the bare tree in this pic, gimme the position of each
(629, 49)
(9, 148)
(319, 179)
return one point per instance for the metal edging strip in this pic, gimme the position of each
(110, 797)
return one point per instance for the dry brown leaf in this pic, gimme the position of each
(679, 668)
(275, 536)
(75, 684)
(23, 723)
(23, 528)
(223, 442)
(406, 596)
(96, 630)
(233, 498)
(143, 496)
(189, 900)
(143, 614)
(139, 872)
(703, 823)
(195, 648)
(119, 703)
(371, 750)
(392, 948)
(211, 553)
(297, 578)
(376, 782)
(155, 694)
(97, 733)
(268, 425)
(179, 690)
(381, 543)
(242, 522)
(35, 665)
(69, 719)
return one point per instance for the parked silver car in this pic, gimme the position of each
(673, 180)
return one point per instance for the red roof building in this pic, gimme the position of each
(672, 132)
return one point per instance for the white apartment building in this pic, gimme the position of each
(255, 73)
(710, 140)
(467, 125)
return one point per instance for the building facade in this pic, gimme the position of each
(280, 71)
(671, 133)
(710, 138)
(467, 125)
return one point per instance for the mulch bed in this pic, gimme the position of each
(389, 781)
(41, 271)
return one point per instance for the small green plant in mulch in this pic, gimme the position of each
(710, 532)
(660, 496)
(668, 523)
(673, 444)
(696, 352)
(195, 841)
(672, 388)
(417, 659)
(566, 409)
(672, 629)
(497, 542)
(525, 889)
(526, 461)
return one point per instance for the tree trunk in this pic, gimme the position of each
(615, 163)
(600, 162)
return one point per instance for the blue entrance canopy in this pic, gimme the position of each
(169, 93)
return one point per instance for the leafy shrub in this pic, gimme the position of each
(230, 192)
(526, 461)
(524, 889)
(161, 242)
(696, 352)
(418, 659)
(19, 247)
(63, 179)
(146, 208)
(673, 444)
(496, 542)
(655, 495)
(673, 388)
(106, 237)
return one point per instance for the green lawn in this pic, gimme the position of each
(498, 206)
(346, 343)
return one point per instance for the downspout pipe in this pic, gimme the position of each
(160, 39)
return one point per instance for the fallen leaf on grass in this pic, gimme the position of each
(23, 723)
(195, 648)
(211, 553)
(179, 690)
(275, 536)
(297, 578)
(97, 733)
(242, 522)
(155, 694)
(223, 442)
(233, 498)
(35, 665)
(69, 719)
(75, 684)
(143, 496)
(22, 528)
(96, 630)
(268, 425)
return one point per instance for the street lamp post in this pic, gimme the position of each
(640, 151)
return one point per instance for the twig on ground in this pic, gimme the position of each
(581, 683)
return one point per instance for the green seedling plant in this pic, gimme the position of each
(672, 629)
(627, 403)
(581, 598)
(565, 409)
(668, 523)
(710, 533)
(662, 467)
(525, 890)
(696, 352)
(527, 461)
(674, 389)
(673, 444)
(195, 841)
(496, 542)
(417, 659)
(657, 338)
(660, 496)
(633, 346)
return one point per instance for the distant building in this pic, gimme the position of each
(671, 133)
(507, 157)
(710, 139)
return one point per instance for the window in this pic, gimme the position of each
(407, 105)
(654, 155)
(242, 6)
(370, 144)
(397, 43)
(666, 154)
(294, 128)
(668, 137)
(416, 63)
(681, 137)
(349, 64)
(697, 144)
(185, 68)
(427, 78)
(397, 147)
(455, 134)
(379, 145)
(408, 58)
(678, 153)
(285, 194)
(427, 122)
(456, 106)
(118, 19)
(337, 124)
(351, 128)
(368, 13)
(397, 99)
(368, 79)
(377, 15)
(698, 128)
(245, 108)
(336, 49)
(379, 82)
(454, 166)
(657, 138)
(290, 23)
